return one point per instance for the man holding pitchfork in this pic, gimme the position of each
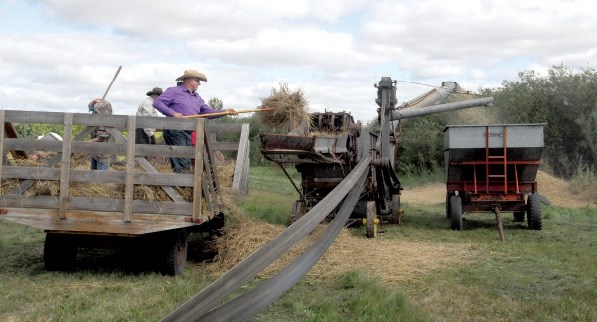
(180, 101)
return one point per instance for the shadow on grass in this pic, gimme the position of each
(125, 261)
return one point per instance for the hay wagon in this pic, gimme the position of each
(124, 217)
(492, 168)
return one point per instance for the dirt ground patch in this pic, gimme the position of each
(559, 192)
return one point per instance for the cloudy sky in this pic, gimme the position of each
(58, 54)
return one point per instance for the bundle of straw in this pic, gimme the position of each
(289, 108)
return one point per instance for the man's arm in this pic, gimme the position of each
(161, 103)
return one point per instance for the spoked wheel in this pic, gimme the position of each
(449, 194)
(534, 215)
(371, 218)
(60, 253)
(456, 212)
(396, 210)
(175, 253)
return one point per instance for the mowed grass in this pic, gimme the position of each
(271, 194)
(546, 275)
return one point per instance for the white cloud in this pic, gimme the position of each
(334, 50)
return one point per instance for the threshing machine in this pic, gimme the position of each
(337, 143)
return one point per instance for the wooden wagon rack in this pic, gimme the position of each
(125, 217)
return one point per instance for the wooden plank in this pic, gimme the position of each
(21, 188)
(171, 192)
(130, 169)
(11, 132)
(65, 167)
(214, 181)
(241, 171)
(80, 175)
(97, 204)
(198, 185)
(116, 121)
(84, 222)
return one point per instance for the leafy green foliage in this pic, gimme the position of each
(421, 144)
(567, 102)
(33, 130)
(215, 103)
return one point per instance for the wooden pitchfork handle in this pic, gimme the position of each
(112, 82)
(227, 113)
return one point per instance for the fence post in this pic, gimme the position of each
(198, 177)
(241, 172)
(65, 165)
(130, 168)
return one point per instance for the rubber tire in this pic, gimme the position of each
(519, 216)
(175, 254)
(456, 213)
(534, 215)
(396, 211)
(60, 253)
(371, 212)
(449, 194)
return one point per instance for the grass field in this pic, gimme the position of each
(546, 275)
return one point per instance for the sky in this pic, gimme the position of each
(57, 55)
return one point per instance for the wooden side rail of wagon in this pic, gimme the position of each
(68, 218)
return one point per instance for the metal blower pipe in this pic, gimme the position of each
(414, 112)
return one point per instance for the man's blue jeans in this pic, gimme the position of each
(98, 165)
(180, 138)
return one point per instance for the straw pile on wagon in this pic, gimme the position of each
(225, 171)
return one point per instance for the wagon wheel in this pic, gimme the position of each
(174, 253)
(456, 212)
(519, 216)
(448, 195)
(534, 215)
(59, 252)
(371, 218)
(396, 210)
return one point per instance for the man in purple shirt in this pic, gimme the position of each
(179, 101)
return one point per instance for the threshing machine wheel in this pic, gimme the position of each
(174, 253)
(60, 253)
(456, 212)
(448, 195)
(534, 215)
(371, 220)
(396, 210)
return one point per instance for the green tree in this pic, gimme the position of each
(564, 99)
(216, 103)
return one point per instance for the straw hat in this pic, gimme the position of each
(191, 73)
(155, 91)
